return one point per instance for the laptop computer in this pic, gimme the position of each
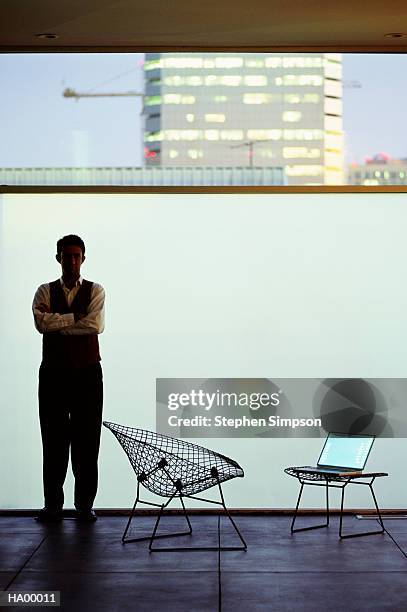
(341, 455)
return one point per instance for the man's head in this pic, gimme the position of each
(71, 255)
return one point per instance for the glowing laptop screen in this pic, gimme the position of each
(346, 451)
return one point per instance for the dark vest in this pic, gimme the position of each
(59, 350)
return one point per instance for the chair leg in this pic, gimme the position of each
(129, 521)
(362, 533)
(168, 535)
(185, 514)
(153, 536)
(218, 548)
(326, 524)
(377, 508)
(244, 547)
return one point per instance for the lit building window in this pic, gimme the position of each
(292, 98)
(300, 170)
(303, 134)
(211, 134)
(190, 117)
(182, 135)
(293, 152)
(153, 136)
(302, 62)
(195, 153)
(173, 153)
(178, 99)
(183, 62)
(153, 64)
(265, 153)
(215, 117)
(174, 81)
(211, 79)
(292, 116)
(254, 63)
(172, 98)
(300, 80)
(195, 81)
(255, 80)
(178, 81)
(227, 80)
(298, 152)
(231, 134)
(152, 100)
(228, 62)
(264, 134)
(273, 62)
(209, 63)
(310, 98)
(220, 98)
(231, 81)
(258, 98)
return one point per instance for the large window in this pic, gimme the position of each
(212, 285)
(130, 119)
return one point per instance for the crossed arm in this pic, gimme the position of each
(91, 322)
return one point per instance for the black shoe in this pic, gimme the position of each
(49, 515)
(86, 516)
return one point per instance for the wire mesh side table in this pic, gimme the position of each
(335, 482)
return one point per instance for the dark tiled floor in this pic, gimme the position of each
(309, 571)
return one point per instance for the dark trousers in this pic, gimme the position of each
(70, 403)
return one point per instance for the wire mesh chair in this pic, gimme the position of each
(175, 468)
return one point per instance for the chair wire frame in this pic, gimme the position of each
(328, 481)
(175, 469)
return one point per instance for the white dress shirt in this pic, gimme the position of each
(92, 323)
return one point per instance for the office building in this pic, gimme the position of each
(252, 109)
(380, 169)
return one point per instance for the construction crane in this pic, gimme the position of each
(72, 93)
(69, 92)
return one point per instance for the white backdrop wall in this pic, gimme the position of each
(209, 285)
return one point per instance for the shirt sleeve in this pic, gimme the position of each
(44, 320)
(94, 322)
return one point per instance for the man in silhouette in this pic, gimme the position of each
(69, 312)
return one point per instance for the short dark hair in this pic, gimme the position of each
(70, 240)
